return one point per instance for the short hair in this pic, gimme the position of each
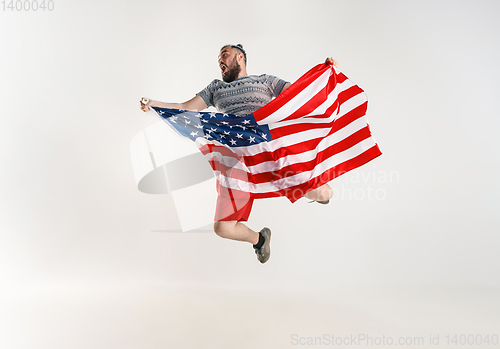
(239, 47)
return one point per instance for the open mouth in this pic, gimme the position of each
(223, 69)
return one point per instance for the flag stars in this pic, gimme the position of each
(233, 131)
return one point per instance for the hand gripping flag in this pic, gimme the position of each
(313, 132)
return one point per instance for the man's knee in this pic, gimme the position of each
(223, 228)
(327, 192)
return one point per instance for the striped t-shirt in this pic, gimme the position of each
(242, 96)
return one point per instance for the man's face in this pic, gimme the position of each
(228, 63)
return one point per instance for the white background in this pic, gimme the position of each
(86, 259)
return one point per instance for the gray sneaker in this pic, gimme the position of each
(321, 202)
(264, 252)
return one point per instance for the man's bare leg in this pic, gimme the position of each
(235, 230)
(323, 193)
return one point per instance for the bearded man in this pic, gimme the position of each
(239, 94)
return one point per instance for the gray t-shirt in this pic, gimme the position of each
(242, 96)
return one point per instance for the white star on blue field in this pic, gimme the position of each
(231, 130)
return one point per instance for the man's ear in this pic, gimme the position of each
(241, 57)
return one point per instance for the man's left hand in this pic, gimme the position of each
(333, 61)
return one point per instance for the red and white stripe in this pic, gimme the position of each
(319, 132)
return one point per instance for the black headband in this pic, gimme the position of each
(238, 47)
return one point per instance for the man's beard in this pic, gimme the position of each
(232, 71)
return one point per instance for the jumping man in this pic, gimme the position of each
(239, 94)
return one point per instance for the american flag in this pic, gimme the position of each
(313, 132)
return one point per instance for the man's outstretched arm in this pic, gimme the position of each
(194, 104)
(329, 59)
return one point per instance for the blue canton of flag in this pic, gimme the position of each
(230, 130)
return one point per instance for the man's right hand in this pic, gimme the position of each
(145, 104)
